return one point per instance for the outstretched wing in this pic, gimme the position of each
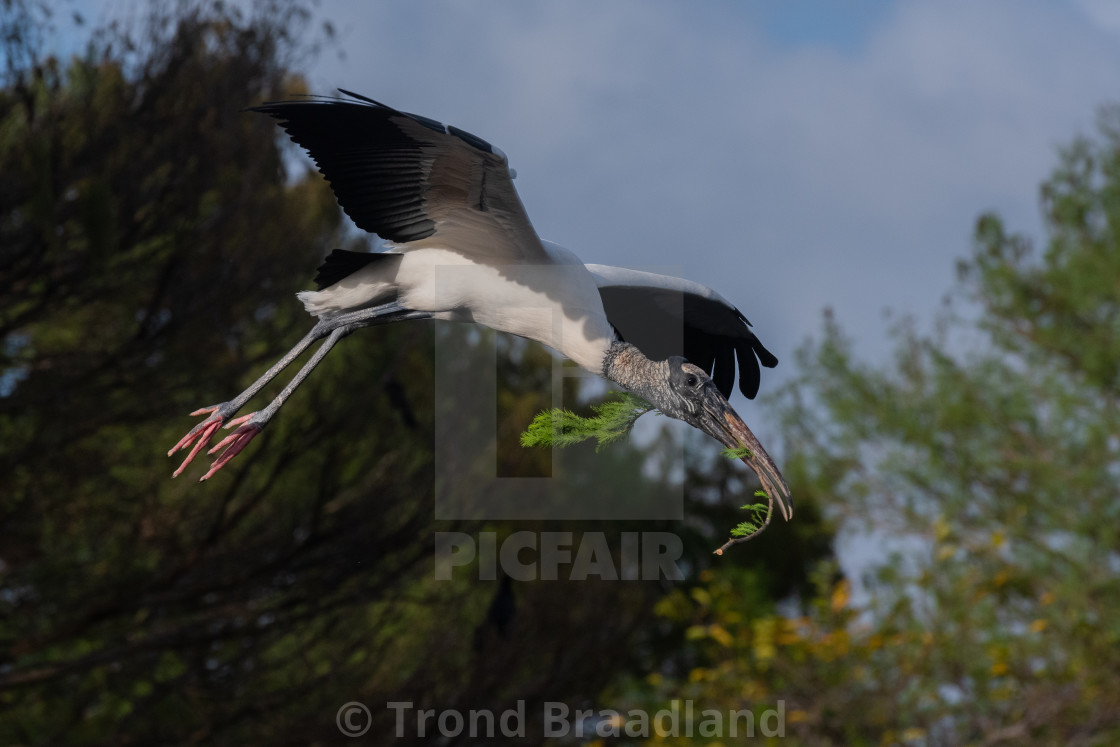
(664, 316)
(408, 178)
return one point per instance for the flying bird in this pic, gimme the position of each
(460, 247)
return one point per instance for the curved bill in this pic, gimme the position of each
(722, 423)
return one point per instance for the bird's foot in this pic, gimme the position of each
(200, 436)
(249, 426)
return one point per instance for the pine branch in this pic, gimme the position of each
(613, 420)
(752, 527)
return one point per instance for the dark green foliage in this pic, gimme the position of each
(981, 467)
(150, 244)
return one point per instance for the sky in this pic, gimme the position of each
(793, 155)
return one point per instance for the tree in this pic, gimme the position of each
(988, 455)
(150, 242)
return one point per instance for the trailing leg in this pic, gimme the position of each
(201, 434)
(334, 329)
(253, 423)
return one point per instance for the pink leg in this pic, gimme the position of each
(333, 329)
(201, 434)
(249, 425)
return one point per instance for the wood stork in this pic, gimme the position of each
(460, 247)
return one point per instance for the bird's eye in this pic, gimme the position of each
(691, 380)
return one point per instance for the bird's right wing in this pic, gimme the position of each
(408, 178)
(664, 316)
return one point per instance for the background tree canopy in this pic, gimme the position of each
(151, 239)
(988, 454)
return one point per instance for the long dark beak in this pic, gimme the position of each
(722, 423)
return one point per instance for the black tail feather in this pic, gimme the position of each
(342, 263)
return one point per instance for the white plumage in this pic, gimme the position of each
(515, 297)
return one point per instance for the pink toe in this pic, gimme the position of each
(237, 441)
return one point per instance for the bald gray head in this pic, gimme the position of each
(683, 391)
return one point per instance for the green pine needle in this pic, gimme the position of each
(757, 520)
(741, 453)
(613, 420)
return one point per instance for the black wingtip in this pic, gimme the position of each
(750, 376)
(750, 355)
(723, 371)
(765, 357)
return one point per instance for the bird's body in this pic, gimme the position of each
(461, 248)
(556, 303)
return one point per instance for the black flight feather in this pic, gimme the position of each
(711, 334)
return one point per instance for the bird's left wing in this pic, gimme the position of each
(664, 316)
(408, 178)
